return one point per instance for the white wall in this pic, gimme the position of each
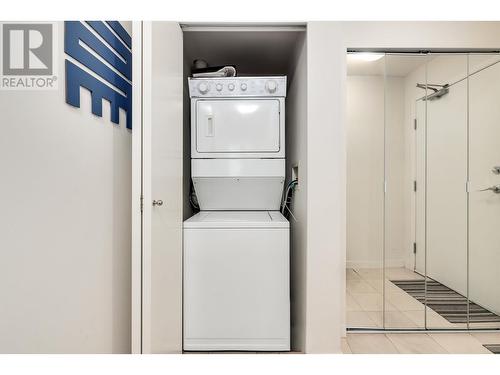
(65, 224)
(395, 160)
(372, 104)
(365, 171)
(326, 179)
(296, 155)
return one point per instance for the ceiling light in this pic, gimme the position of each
(366, 56)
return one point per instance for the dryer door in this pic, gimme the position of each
(238, 126)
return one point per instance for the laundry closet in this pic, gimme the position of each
(223, 263)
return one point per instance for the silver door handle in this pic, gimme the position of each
(158, 202)
(494, 188)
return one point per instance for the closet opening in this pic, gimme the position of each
(269, 52)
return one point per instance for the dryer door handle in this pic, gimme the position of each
(210, 130)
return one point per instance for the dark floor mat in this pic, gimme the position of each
(446, 302)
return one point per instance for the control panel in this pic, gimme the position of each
(237, 86)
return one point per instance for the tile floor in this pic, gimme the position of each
(407, 343)
(419, 343)
(365, 306)
(365, 302)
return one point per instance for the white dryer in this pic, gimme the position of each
(236, 250)
(238, 117)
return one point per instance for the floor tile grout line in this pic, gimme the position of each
(458, 333)
(349, 346)
(441, 346)
(386, 338)
(393, 343)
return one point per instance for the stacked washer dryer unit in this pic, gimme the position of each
(236, 249)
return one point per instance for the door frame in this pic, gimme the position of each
(137, 184)
(141, 192)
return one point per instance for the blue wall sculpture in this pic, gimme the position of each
(111, 42)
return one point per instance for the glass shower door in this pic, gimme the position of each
(484, 194)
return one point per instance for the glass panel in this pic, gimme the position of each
(365, 174)
(484, 205)
(445, 194)
(478, 61)
(403, 282)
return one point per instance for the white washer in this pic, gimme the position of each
(236, 281)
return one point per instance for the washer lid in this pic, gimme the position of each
(237, 219)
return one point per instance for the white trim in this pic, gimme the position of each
(146, 184)
(136, 251)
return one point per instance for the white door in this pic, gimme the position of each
(157, 249)
(446, 196)
(228, 126)
(484, 205)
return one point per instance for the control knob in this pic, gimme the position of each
(203, 88)
(218, 87)
(271, 86)
(230, 86)
(243, 87)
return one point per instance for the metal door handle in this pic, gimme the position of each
(158, 202)
(494, 188)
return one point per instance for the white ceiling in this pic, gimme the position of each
(395, 65)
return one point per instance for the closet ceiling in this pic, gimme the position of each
(253, 52)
